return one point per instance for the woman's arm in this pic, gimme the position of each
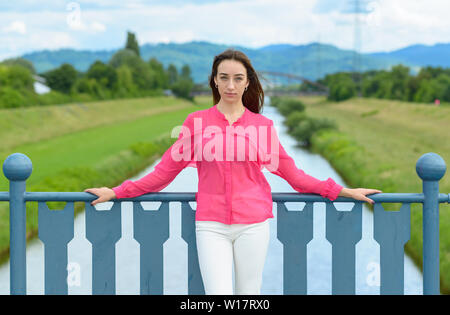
(177, 157)
(281, 164)
(304, 183)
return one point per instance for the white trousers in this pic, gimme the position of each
(219, 245)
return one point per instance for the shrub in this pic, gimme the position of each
(11, 98)
(53, 98)
(286, 106)
(293, 119)
(308, 126)
(275, 101)
(182, 88)
(342, 87)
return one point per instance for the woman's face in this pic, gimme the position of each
(231, 80)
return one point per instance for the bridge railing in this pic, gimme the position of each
(151, 230)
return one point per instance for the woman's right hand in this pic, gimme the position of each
(104, 194)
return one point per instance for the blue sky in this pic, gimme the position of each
(29, 25)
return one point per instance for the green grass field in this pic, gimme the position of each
(377, 145)
(72, 135)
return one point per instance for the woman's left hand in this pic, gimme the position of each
(359, 193)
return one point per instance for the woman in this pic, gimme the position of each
(234, 199)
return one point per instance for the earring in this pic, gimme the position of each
(217, 86)
(246, 88)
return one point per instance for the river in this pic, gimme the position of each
(175, 249)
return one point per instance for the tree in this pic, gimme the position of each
(11, 98)
(61, 79)
(443, 81)
(399, 77)
(141, 71)
(172, 74)
(132, 43)
(377, 84)
(20, 62)
(412, 87)
(104, 74)
(125, 81)
(184, 84)
(161, 77)
(16, 77)
(182, 88)
(341, 86)
(435, 88)
(186, 72)
(124, 57)
(91, 86)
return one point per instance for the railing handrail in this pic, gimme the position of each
(190, 196)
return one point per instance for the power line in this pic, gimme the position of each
(357, 7)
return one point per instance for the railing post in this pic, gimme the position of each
(17, 168)
(431, 168)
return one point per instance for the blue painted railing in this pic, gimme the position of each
(151, 230)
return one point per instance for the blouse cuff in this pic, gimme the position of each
(331, 189)
(119, 191)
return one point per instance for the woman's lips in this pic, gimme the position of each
(230, 94)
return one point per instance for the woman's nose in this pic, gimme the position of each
(230, 85)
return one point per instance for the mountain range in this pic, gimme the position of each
(311, 61)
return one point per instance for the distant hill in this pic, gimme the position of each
(421, 55)
(311, 61)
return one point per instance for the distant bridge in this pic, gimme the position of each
(290, 76)
(321, 89)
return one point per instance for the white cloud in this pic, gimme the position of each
(94, 27)
(13, 45)
(18, 27)
(53, 40)
(250, 23)
(386, 25)
(400, 23)
(98, 27)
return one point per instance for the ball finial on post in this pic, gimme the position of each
(431, 167)
(17, 167)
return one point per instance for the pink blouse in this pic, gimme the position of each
(229, 159)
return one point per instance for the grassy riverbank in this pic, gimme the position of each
(76, 146)
(377, 145)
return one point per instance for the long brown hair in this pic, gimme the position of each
(253, 98)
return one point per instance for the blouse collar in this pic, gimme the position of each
(220, 115)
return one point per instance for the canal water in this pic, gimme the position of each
(175, 249)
